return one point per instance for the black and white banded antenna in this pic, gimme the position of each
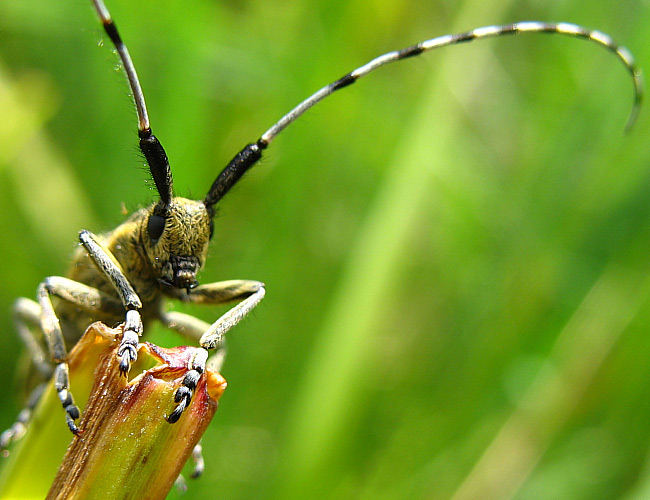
(150, 146)
(252, 153)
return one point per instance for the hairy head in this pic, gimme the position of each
(175, 237)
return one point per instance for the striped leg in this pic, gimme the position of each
(105, 261)
(210, 336)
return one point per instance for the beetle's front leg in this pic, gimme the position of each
(249, 292)
(107, 263)
(252, 293)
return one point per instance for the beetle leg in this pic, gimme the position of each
(249, 292)
(56, 345)
(29, 317)
(17, 430)
(107, 263)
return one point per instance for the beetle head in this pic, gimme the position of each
(176, 237)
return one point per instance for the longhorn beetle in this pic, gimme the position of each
(155, 255)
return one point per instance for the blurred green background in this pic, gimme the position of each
(455, 248)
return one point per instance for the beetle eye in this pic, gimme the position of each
(155, 226)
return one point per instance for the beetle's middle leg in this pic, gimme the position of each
(84, 297)
(56, 344)
(30, 316)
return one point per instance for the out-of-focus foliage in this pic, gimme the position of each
(455, 248)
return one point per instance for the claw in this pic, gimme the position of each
(128, 350)
(183, 395)
(129, 355)
(72, 425)
(72, 414)
(178, 411)
(125, 366)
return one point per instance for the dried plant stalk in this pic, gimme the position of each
(127, 449)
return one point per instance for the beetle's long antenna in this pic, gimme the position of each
(486, 32)
(149, 143)
(253, 152)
